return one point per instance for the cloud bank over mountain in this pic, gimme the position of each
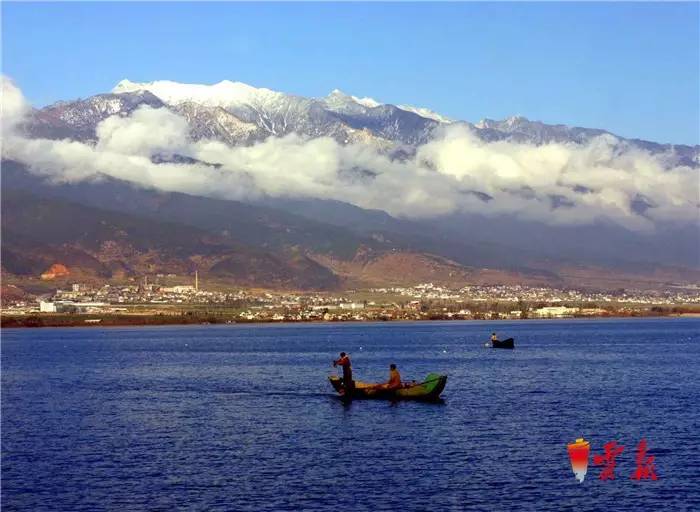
(13, 107)
(453, 171)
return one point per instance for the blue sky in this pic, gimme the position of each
(630, 68)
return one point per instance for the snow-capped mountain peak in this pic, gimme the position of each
(337, 100)
(507, 124)
(240, 114)
(366, 101)
(427, 113)
(223, 94)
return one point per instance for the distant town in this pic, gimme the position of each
(82, 304)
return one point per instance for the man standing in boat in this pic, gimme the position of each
(494, 337)
(344, 361)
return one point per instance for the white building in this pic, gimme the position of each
(352, 305)
(555, 311)
(47, 307)
(179, 289)
(68, 306)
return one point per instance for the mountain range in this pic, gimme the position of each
(238, 114)
(105, 227)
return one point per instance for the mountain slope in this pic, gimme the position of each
(364, 247)
(257, 226)
(287, 228)
(39, 232)
(78, 119)
(338, 230)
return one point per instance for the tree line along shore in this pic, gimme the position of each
(214, 317)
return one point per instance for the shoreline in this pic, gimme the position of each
(39, 321)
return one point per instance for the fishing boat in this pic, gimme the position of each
(508, 343)
(427, 391)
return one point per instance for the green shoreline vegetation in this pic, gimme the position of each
(227, 317)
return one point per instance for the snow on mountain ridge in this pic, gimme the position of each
(223, 94)
(507, 123)
(217, 123)
(427, 113)
(339, 101)
(228, 94)
(366, 101)
(338, 115)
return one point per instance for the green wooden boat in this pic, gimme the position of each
(427, 391)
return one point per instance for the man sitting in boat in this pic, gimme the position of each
(394, 379)
(494, 337)
(344, 361)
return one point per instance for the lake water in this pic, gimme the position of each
(243, 417)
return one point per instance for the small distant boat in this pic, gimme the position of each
(427, 391)
(508, 343)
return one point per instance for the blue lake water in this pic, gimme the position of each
(243, 418)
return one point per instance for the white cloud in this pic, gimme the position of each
(456, 171)
(13, 106)
(147, 131)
